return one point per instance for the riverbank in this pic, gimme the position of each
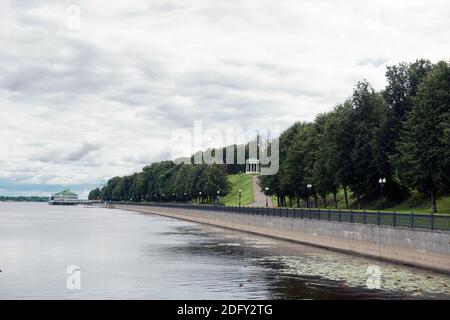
(418, 248)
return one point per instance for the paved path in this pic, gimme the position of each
(260, 197)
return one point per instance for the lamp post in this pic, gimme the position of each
(218, 195)
(309, 186)
(185, 197)
(267, 197)
(240, 194)
(382, 182)
(199, 197)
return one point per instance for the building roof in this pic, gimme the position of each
(66, 193)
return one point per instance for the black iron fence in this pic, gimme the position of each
(393, 219)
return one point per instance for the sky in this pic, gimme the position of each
(94, 89)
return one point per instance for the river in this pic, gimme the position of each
(126, 255)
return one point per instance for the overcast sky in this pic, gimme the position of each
(84, 99)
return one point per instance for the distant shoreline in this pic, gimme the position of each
(23, 199)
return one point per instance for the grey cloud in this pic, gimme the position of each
(60, 156)
(103, 101)
(82, 152)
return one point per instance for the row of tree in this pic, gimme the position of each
(167, 181)
(401, 134)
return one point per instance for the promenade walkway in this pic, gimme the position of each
(260, 197)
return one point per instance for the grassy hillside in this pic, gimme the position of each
(239, 181)
(416, 203)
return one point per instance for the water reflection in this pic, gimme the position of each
(293, 271)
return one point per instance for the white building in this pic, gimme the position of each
(65, 197)
(252, 165)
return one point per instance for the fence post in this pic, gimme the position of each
(310, 213)
(364, 216)
(432, 221)
(340, 215)
(351, 215)
(329, 215)
(411, 220)
(395, 219)
(378, 217)
(319, 213)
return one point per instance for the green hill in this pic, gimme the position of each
(416, 202)
(239, 181)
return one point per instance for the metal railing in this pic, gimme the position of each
(393, 219)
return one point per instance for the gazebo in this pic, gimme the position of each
(252, 165)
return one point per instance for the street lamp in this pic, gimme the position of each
(267, 196)
(199, 197)
(218, 195)
(240, 194)
(309, 187)
(382, 182)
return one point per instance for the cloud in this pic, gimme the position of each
(82, 152)
(80, 105)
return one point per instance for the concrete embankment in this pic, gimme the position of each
(420, 248)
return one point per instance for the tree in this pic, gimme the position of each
(323, 173)
(95, 194)
(403, 80)
(299, 163)
(368, 112)
(422, 160)
(278, 183)
(339, 135)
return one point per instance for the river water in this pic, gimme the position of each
(127, 255)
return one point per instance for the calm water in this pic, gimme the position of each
(125, 255)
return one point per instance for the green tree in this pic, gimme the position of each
(299, 163)
(324, 169)
(95, 194)
(369, 110)
(423, 161)
(278, 183)
(403, 80)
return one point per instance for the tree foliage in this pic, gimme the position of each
(423, 156)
